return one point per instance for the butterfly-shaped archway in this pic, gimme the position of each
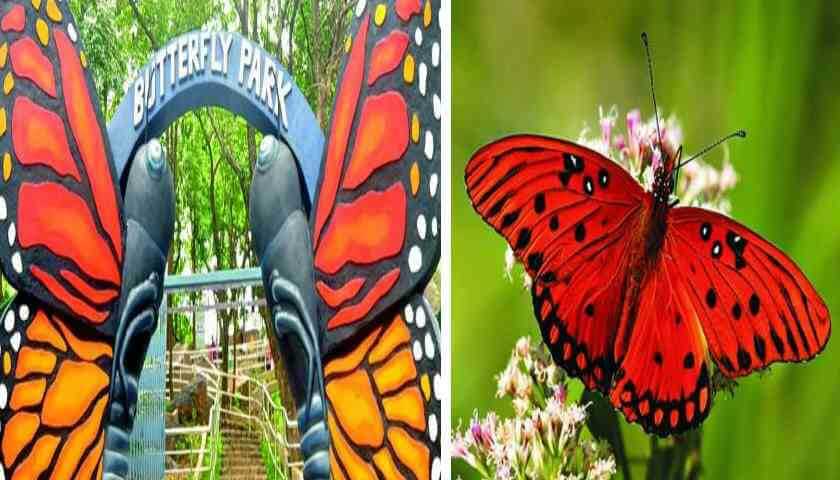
(221, 69)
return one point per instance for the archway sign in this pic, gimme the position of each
(223, 69)
(200, 69)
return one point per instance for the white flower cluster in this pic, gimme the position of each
(544, 438)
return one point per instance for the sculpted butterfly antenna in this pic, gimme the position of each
(652, 91)
(739, 133)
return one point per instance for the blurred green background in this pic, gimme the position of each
(771, 68)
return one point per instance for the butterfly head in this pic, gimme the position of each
(665, 174)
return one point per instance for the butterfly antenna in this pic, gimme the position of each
(739, 133)
(652, 90)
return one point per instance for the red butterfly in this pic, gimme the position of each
(635, 297)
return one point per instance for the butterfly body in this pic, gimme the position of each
(638, 298)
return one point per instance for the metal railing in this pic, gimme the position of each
(257, 409)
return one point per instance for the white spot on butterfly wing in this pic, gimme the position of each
(9, 321)
(429, 149)
(409, 314)
(71, 30)
(433, 427)
(430, 346)
(438, 384)
(418, 351)
(421, 317)
(434, 227)
(23, 312)
(436, 54)
(17, 262)
(12, 234)
(360, 7)
(421, 227)
(3, 211)
(4, 395)
(436, 469)
(415, 259)
(433, 185)
(424, 72)
(15, 341)
(418, 37)
(436, 104)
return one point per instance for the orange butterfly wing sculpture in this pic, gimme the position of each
(376, 228)
(62, 249)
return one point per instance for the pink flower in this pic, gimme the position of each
(460, 448)
(656, 160)
(619, 143)
(477, 431)
(634, 121)
(606, 129)
(560, 393)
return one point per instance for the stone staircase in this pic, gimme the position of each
(241, 458)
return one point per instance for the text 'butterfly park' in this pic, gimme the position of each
(220, 241)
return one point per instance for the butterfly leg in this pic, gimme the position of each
(280, 231)
(149, 204)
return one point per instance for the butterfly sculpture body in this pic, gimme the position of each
(345, 283)
(638, 298)
(87, 259)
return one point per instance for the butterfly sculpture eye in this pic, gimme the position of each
(640, 299)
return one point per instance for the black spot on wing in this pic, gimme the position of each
(510, 218)
(760, 347)
(711, 298)
(755, 304)
(535, 261)
(539, 203)
(524, 239)
(580, 232)
(688, 361)
(744, 359)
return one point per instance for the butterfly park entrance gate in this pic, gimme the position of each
(196, 70)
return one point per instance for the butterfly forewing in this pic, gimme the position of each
(61, 212)
(568, 213)
(755, 305)
(376, 218)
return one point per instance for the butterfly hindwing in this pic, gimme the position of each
(663, 379)
(755, 305)
(51, 422)
(376, 217)
(383, 395)
(567, 212)
(60, 211)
